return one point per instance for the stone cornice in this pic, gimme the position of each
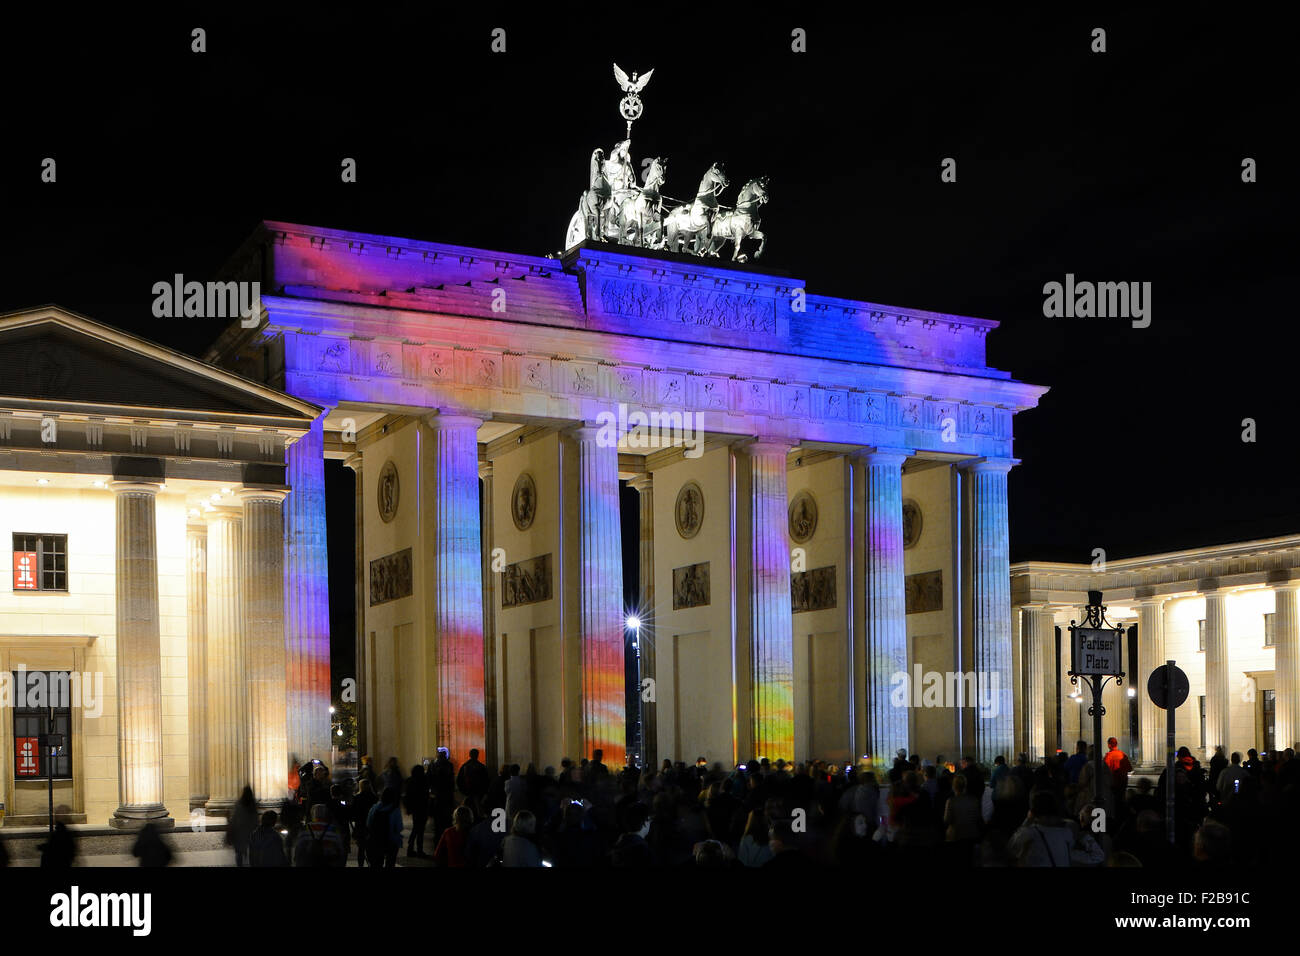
(1269, 561)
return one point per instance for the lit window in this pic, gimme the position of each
(1270, 634)
(1200, 635)
(40, 562)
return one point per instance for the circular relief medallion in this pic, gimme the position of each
(803, 517)
(388, 491)
(689, 510)
(523, 501)
(911, 523)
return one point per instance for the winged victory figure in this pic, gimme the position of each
(632, 85)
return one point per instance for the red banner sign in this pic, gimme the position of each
(27, 757)
(24, 570)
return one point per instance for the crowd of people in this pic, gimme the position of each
(1238, 811)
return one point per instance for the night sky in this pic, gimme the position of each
(1122, 166)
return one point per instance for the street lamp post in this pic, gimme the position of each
(1096, 658)
(634, 625)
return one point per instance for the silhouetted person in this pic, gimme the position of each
(520, 847)
(242, 823)
(150, 848)
(266, 845)
(361, 804)
(415, 799)
(473, 780)
(384, 830)
(60, 849)
(1218, 764)
(442, 792)
(1078, 760)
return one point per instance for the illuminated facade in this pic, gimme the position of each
(142, 493)
(822, 493)
(1227, 615)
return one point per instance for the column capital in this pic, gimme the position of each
(485, 469)
(589, 431)
(764, 444)
(1148, 596)
(988, 465)
(261, 494)
(354, 462)
(454, 418)
(879, 455)
(150, 488)
(642, 482)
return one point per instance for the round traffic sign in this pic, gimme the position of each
(1158, 690)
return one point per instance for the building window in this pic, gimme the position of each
(1200, 635)
(35, 717)
(1270, 634)
(40, 562)
(1202, 719)
(1268, 706)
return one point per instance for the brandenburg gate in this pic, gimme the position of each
(822, 502)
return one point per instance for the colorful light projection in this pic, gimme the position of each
(604, 717)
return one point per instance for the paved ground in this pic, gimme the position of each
(103, 847)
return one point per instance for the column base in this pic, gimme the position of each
(219, 806)
(135, 818)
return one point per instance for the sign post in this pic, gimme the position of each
(1168, 688)
(1171, 669)
(1096, 648)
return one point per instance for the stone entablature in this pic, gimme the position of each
(647, 294)
(1269, 561)
(345, 353)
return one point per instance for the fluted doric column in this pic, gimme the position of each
(771, 623)
(454, 578)
(645, 637)
(1038, 661)
(196, 604)
(139, 659)
(1286, 632)
(600, 602)
(228, 767)
(490, 705)
(884, 601)
(1218, 700)
(268, 747)
(306, 591)
(1151, 654)
(990, 611)
(359, 600)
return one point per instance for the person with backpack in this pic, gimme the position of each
(319, 844)
(384, 829)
